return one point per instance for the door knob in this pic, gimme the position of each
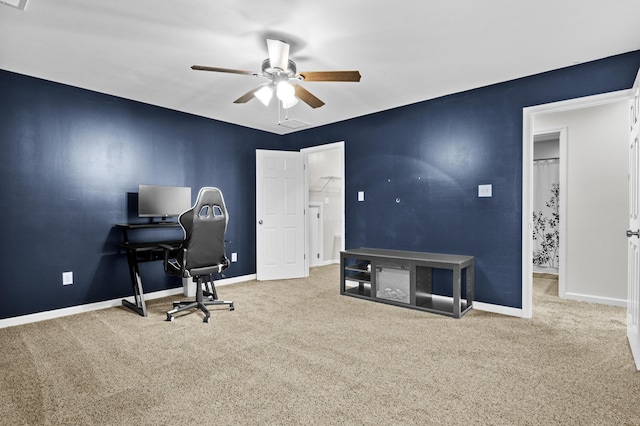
(630, 233)
(260, 223)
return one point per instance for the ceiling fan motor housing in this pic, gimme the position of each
(290, 72)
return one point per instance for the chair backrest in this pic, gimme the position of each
(204, 228)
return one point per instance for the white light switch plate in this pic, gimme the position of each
(360, 195)
(485, 190)
(67, 278)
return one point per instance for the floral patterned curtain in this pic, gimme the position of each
(546, 187)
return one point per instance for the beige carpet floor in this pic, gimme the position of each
(295, 352)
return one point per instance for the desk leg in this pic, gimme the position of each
(134, 271)
(456, 292)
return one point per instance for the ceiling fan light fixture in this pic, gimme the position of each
(264, 95)
(285, 91)
(286, 104)
(287, 94)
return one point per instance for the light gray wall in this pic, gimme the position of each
(597, 199)
(546, 149)
(321, 164)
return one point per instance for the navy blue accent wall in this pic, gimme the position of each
(420, 167)
(70, 167)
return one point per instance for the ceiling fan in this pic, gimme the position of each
(283, 78)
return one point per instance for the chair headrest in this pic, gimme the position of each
(208, 206)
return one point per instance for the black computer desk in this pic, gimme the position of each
(138, 252)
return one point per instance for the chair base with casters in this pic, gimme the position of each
(204, 298)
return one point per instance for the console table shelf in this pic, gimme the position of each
(405, 278)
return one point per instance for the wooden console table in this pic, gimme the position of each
(405, 278)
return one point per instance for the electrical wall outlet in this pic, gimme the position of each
(67, 278)
(234, 257)
(485, 190)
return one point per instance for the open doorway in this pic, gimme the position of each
(325, 198)
(549, 202)
(595, 199)
(546, 206)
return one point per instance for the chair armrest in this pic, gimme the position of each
(166, 249)
(167, 261)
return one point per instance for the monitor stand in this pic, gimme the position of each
(164, 221)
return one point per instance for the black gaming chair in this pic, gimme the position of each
(202, 253)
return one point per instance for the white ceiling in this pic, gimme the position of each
(406, 50)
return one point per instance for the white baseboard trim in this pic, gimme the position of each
(498, 309)
(517, 312)
(234, 280)
(328, 262)
(72, 310)
(621, 303)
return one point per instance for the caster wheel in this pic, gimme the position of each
(206, 319)
(169, 318)
(231, 308)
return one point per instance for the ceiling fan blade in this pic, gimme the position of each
(215, 69)
(353, 76)
(278, 54)
(306, 96)
(247, 96)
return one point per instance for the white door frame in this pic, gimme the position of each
(305, 152)
(528, 116)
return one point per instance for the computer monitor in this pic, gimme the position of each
(163, 201)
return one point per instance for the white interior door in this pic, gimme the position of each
(280, 205)
(633, 280)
